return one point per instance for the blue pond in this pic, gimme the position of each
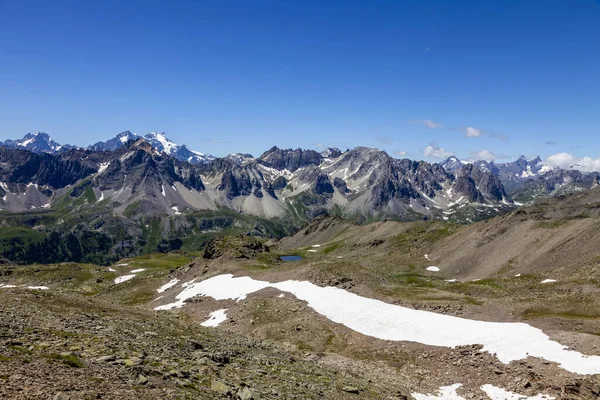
(290, 258)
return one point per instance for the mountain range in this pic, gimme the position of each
(41, 142)
(146, 192)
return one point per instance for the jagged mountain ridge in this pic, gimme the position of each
(132, 175)
(280, 183)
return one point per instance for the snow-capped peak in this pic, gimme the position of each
(161, 142)
(38, 142)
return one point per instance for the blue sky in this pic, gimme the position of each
(423, 79)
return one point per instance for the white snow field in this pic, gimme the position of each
(508, 340)
(215, 318)
(493, 392)
(433, 269)
(135, 271)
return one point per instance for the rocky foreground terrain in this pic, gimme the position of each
(64, 344)
(148, 327)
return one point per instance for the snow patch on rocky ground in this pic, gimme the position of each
(445, 393)
(9, 286)
(496, 393)
(102, 167)
(433, 269)
(492, 392)
(167, 285)
(509, 341)
(124, 278)
(135, 271)
(215, 318)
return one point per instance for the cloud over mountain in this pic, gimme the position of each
(569, 161)
(435, 151)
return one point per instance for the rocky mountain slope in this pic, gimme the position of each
(558, 236)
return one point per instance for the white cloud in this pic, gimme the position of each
(569, 161)
(429, 123)
(485, 155)
(398, 153)
(435, 151)
(473, 132)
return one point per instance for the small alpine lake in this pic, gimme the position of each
(290, 258)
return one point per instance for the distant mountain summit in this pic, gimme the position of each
(38, 142)
(115, 143)
(331, 152)
(452, 163)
